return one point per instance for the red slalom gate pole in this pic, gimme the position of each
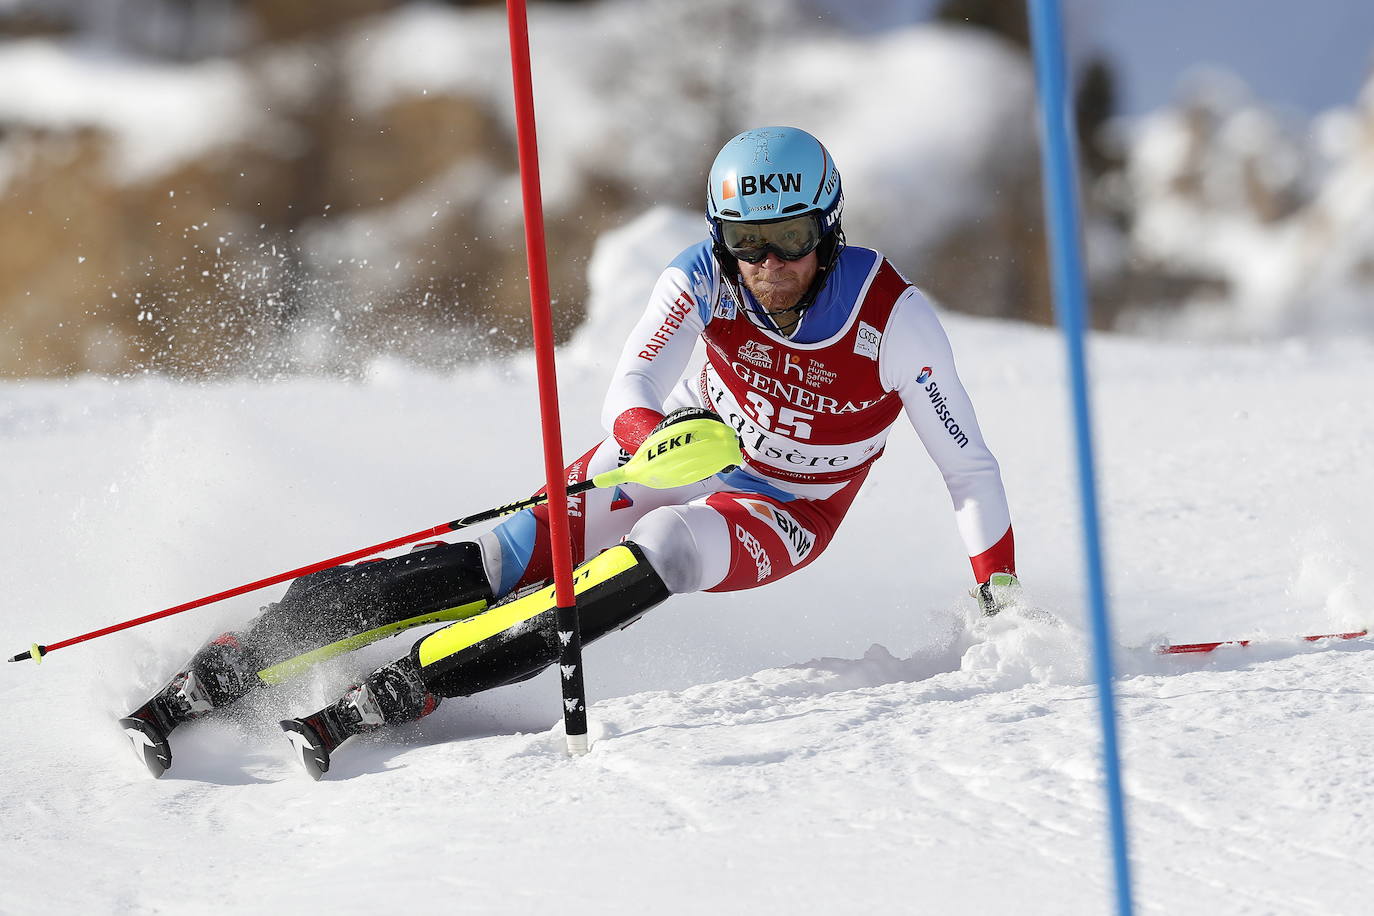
(1201, 647)
(569, 630)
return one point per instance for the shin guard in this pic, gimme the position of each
(342, 609)
(518, 639)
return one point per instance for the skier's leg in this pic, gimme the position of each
(733, 540)
(597, 519)
(358, 605)
(723, 541)
(515, 640)
(511, 642)
(336, 610)
(320, 616)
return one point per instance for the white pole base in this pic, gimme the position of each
(577, 745)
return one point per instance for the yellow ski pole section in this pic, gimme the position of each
(677, 455)
(470, 632)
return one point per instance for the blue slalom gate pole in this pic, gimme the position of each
(1061, 212)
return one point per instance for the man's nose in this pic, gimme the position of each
(772, 261)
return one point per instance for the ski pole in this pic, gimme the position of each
(1200, 647)
(36, 652)
(672, 457)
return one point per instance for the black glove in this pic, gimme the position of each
(683, 414)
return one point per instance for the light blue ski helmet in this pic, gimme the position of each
(771, 173)
(775, 189)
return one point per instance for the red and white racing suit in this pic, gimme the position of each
(813, 412)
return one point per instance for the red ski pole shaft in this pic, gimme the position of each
(36, 652)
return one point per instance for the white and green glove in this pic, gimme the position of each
(998, 593)
(691, 444)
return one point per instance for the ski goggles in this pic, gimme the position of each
(790, 239)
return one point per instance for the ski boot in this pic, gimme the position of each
(220, 673)
(392, 695)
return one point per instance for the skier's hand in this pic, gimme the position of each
(690, 445)
(683, 414)
(998, 593)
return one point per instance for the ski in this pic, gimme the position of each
(391, 695)
(1204, 647)
(314, 738)
(149, 740)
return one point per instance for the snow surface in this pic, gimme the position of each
(847, 740)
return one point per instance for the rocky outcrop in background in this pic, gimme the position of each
(242, 186)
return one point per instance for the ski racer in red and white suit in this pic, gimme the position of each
(813, 349)
(812, 410)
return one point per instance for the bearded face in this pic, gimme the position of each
(776, 284)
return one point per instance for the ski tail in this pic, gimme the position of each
(149, 741)
(313, 740)
(391, 695)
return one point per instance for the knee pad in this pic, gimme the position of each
(683, 544)
(517, 639)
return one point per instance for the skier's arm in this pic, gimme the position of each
(915, 360)
(653, 359)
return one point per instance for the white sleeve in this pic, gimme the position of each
(657, 349)
(916, 361)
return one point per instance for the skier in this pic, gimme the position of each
(813, 349)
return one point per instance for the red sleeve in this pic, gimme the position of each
(633, 426)
(1000, 557)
